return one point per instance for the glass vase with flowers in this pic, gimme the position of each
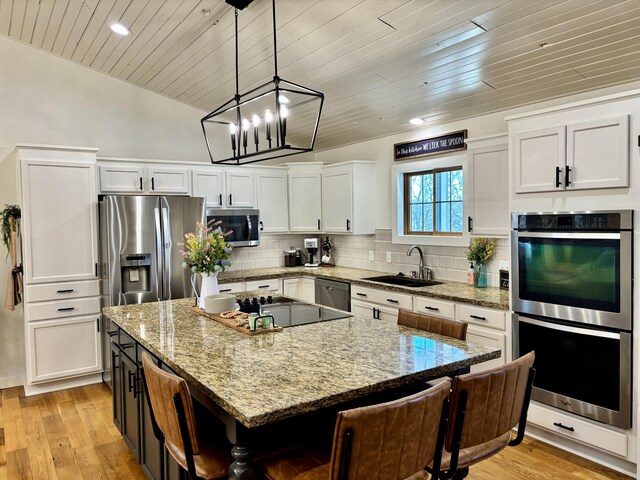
(481, 250)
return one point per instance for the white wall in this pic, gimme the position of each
(49, 100)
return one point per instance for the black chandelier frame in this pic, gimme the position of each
(280, 86)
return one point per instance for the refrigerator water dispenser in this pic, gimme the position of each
(136, 272)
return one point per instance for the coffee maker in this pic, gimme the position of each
(311, 244)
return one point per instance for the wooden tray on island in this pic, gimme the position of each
(231, 323)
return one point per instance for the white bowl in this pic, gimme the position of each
(219, 303)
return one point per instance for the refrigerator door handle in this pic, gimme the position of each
(166, 239)
(159, 254)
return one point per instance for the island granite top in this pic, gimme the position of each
(453, 291)
(265, 378)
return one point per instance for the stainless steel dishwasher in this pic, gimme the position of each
(333, 294)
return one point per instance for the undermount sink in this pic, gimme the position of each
(403, 281)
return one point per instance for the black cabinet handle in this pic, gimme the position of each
(433, 309)
(220, 199)
(318, 224)
(263, 286)
(558, 171)
(133, 380)
(376, 313)
(126, 345)
(153, 183)
(112, 334)
(469, 224)
(348, 225)
(140, 183)
(477, 317)
(225, 290)
(96, 269)
(567, 171)
(230, 200)
(66, 309)
(98, 325)
(261, 226)
(558, 424)
(361, 294)
(392, 300)
(65, 291)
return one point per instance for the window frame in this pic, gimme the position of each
(397, 169)
(407, 203)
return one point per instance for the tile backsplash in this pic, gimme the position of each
(447, 263)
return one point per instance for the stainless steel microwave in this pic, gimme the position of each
(243, 223)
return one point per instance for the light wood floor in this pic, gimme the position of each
(70, 435)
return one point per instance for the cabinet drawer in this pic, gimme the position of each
(583, 431)
(62, 291)
(63, 308)
(268, 285)
(232, 287)
(487, 317)
(437, 308)
(382, 297)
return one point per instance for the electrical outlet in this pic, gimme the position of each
(371, 255)
(504, 265)
(388, 257)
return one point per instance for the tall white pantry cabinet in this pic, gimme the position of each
(60, 255)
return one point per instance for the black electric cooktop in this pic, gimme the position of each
(288, 312)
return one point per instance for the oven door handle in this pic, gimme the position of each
(567, 328)
(570, 235)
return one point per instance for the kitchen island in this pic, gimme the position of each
(253, 381)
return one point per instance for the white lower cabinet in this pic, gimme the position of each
(268, 285)
(382, 297)
(65, 348)
(488, 338)
(579, 429)
(435, 308)
(233, 287)
(374, 311)
(302, 288)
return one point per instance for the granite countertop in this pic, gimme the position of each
(264, 378)
(454, 291)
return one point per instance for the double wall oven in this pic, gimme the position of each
(572, 296)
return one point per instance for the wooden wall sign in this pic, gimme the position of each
(449, 142)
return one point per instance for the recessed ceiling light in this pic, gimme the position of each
(120, 29)
(416, 121)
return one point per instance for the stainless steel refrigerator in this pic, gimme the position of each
(139, 252)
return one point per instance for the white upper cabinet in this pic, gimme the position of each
(273, 200)
(137, 179)
(348, 197)
(168, 180)
(598, 154)
(121, 179)
(59, 219)
(305, 198)
(487, 190)
(539, 160)
(209, 184)
(579, 156)
(241, 188)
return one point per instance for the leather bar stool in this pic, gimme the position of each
(390, 441)
(440, 326)
(174, 423)
(485, 407)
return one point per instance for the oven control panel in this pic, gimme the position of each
(568, 222)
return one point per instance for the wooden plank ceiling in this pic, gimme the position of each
(378, 62)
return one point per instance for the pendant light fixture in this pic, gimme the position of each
(276, 119)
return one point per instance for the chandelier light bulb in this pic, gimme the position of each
(284, 111)
(232, 128)
(245, 124)
(268, 116)
(255, 120)
(282, 99)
